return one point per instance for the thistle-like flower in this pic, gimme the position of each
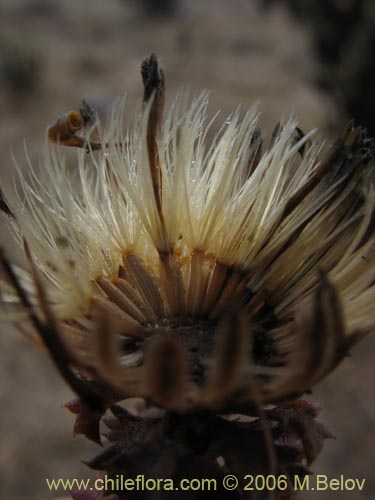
(203, 280)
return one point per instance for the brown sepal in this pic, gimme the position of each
(296, 425)
(87, 421)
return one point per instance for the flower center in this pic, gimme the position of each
(187, 302)
(198, 337)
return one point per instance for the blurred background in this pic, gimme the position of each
(313, 58)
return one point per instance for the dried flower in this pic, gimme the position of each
(205, 280)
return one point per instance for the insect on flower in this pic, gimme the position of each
(205, 279)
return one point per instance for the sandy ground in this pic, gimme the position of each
(93, 50)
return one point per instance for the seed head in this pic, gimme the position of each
(213, 278)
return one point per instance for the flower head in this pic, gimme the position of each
(218, 277)
(220, 264)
